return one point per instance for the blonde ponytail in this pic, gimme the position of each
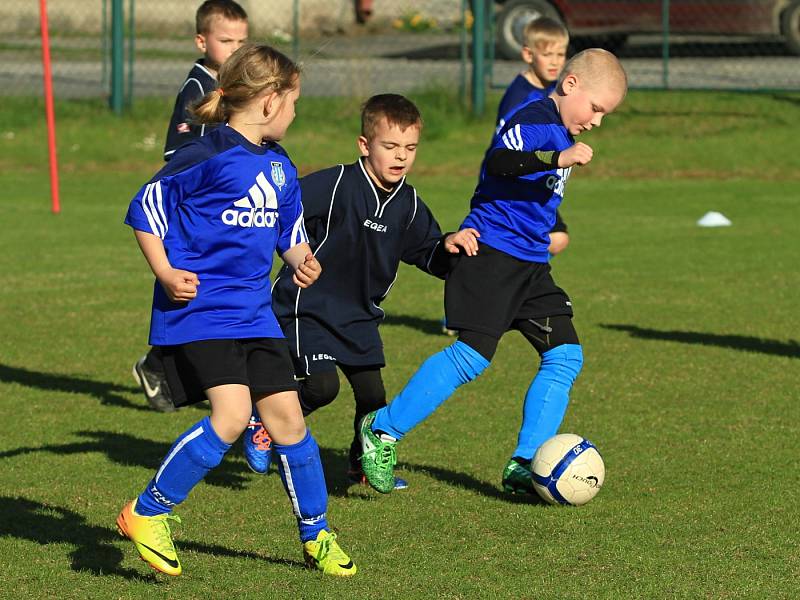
(251, 70)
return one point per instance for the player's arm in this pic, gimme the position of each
(428, 249)
(292, 243)
(180, 285)
(559, 236)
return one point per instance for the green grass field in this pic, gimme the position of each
(690, 387)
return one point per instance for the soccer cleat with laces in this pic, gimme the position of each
(355, 474)
(517, 479)
(257, 446)
(379, 456)
(152, 538)
(154, 386)
(325, 554)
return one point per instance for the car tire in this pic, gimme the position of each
(790, 26)
(511, 21)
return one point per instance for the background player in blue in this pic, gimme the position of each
(208, 224)
(221, 27)
(544, 53)
(507, 284)
(363, 219)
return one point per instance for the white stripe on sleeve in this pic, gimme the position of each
(146, 209)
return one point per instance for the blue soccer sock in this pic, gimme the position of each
(198, 450)
(301, 472)
(547, 397)
(432, 384)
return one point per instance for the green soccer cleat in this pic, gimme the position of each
(152, 538)
(379, 456)
(325, 554)
(517, 479)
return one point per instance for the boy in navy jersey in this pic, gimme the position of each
(363, 219)
(208, 224)
(544, 52)
(507, 284)
(221, 27)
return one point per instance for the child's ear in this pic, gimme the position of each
(569, 83)
(363, 145)
(200, 42)
(269, 103)
(527, 55)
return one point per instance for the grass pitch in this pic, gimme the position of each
(690, 387)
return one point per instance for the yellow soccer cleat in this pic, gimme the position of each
(325, 554)
(152, 538)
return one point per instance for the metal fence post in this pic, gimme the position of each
(665, 44)
(478, 51)
(131, 38)
(296, 30)
(117, 65)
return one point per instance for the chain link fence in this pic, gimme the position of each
(360, 47)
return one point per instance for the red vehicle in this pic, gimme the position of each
(612, 21)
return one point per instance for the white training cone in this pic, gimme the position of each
(714, 219)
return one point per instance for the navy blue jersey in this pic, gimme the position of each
(520, 90)
(222, 206)
(198, 83)
(360, 236)
(516, 214)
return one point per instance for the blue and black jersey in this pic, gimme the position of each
(222, 206)
(181, 129)
(520, 90)
(360, 234)
(516, 214)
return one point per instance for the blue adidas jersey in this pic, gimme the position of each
(520, 91)
(516, 214)
(222, 206)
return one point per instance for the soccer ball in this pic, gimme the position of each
(568, 469)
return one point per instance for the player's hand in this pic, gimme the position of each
(307, 272)
(180, 285)
(466, 239)
(579, 154)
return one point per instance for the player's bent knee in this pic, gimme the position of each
(317, 391)
(468, 361)
(564, 361)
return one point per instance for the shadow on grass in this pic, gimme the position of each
(463, 480)
(429, 326)
(737, 342)
(129, 450)
(335, 463)
(107, 393)
(95, 551)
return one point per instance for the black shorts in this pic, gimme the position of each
(488, 292)
(262, 364)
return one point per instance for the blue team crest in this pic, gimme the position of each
(278, 176)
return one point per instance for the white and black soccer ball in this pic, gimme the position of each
(568, 469)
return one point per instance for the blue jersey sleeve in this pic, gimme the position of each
(522, 137)
(290, 216)
(152, 208)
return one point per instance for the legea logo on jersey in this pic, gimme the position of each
(258, 209)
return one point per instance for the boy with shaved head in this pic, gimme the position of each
(507, 284)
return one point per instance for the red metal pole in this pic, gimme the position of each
(49, 110)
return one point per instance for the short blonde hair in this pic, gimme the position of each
(250, 71)
(544, 31)
(595, 67)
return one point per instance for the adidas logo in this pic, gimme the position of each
(258, 209)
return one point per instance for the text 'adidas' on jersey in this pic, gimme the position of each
(222, 206)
